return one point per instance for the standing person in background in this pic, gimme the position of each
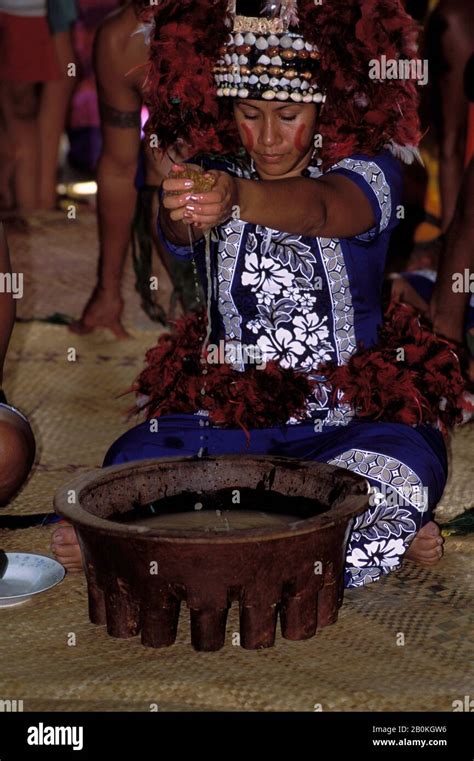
(450, 309)
(27, 59)
(55, 98)
(450, 37)
(120, 58)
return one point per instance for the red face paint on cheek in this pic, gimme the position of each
(298, 138)
(247, 137)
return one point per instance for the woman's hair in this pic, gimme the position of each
(361, 115)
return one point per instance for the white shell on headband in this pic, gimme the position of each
(283, 95)
(250, 38)
(269, 94)
(261, 43)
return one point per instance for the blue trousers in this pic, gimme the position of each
(405, 467)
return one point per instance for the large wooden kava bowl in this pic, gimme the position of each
(295, 570)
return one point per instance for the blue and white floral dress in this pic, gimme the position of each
(303, 300)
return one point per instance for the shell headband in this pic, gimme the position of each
(264, 60)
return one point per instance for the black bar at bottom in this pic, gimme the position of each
(149, 735)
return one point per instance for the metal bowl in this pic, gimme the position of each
(27, 575)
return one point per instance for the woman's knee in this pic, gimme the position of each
(17, 452)
(129, 446)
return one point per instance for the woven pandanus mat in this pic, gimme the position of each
(58, 257)
(354, 665)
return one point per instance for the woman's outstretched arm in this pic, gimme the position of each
(330, 206)
(327, 206)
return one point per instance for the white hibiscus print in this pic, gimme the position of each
(320, 354)
(364, 577)
(265, 273)
(310, 329)
(254, 326)
(303, 298)
(265, 299)
(382, 553)
(282, 347)
(307, 301)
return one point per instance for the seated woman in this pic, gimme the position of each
(299, 229)
(17, 443)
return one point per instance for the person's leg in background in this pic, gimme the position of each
(7, 164)
(21, 104)
(54, 102)
(27, 59)
(450, 37)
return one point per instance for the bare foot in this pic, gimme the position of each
(103, 310)
(66, 548)
(427, 547)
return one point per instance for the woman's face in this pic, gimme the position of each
(278, 136)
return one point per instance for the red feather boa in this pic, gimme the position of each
(178, 379)
(411, 376)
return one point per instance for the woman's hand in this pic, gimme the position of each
(203, 210)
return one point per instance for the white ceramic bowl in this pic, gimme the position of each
(27, 575)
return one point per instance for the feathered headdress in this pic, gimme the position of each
(194, 45)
